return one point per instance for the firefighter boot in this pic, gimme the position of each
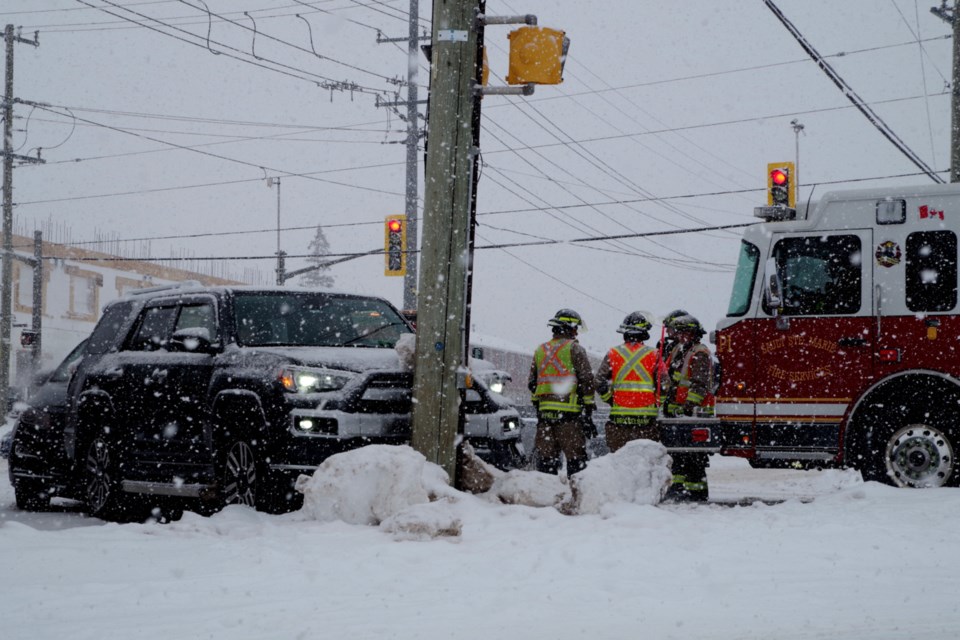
(676, 492)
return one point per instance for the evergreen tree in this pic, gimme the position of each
(318, 249)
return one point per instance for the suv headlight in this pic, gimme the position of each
(312, 380)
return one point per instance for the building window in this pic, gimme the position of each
(23, 287)
(84, 294)
(931, 271)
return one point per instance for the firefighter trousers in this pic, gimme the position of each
(563, 435)
(617, 434)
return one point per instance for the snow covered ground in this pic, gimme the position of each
(370, 556)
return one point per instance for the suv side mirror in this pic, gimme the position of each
(772, 287)
(193, 340)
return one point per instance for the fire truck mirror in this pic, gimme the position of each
(772, 288)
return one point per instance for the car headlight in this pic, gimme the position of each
(312, 380)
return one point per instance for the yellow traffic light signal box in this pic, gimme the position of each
(395, 245)
(781, 184)
(537, 55)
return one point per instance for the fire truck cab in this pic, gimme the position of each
(841, 344)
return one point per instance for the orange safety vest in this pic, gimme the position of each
(632, 386)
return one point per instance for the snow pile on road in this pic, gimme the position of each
(639, 473)
(530, 488)
(371, 484)
(397, 489)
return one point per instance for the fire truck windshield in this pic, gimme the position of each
(743, 279)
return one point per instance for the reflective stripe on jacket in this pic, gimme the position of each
(556, 388)
(632, 390)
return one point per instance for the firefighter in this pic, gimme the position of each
(626, 381)
(668, 339)
(688, 391)
(562, 385)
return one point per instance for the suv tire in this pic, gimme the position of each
(101, 481)
(239, 474)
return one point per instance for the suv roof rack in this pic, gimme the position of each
(166, 287)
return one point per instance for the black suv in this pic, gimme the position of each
(225, 395)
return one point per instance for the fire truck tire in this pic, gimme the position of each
(906, 433)
(916, 449)
(920, 456)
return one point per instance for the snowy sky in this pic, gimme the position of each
(155, 136)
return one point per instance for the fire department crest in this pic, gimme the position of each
(888, 254)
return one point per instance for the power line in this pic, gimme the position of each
(712, 74)
(700, 195)
(707, 125)
(289, 44)
(325, 82)
(852, 96)
(215, 155)
(273, 256)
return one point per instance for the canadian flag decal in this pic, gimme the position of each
(927, 212)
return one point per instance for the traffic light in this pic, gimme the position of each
(537, 55)
(781, 184)
(395, 245)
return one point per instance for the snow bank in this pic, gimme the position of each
(396, 489)
(371, 484)
(639, 473)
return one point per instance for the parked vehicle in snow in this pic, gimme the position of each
(211, 396)
(37, 463)
(840, 345)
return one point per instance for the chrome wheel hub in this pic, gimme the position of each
(919, 456)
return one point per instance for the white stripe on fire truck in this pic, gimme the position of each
(747, 409)
(801, 409)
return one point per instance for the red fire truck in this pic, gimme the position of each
(841, 344)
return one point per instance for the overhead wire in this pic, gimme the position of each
(219, 156)
(852, 95)
(285, 42)
(293, 72)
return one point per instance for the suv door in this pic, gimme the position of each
(160, 393)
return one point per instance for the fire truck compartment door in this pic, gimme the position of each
(817, 351)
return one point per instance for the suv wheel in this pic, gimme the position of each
(239, 475)
(101, 480)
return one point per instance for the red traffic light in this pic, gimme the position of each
(778, 177)
(394, 226)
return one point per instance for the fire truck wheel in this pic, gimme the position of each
(920, 456)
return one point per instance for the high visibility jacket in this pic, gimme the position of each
(684, 389)
(556, 377)
(632, 390)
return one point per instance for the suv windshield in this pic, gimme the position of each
(315, 320)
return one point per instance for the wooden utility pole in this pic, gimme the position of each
(6, 264)
(445, 258)
(949, 15)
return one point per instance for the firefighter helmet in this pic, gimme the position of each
(673, 315)
(635, 324)
(687, 324)
(567, 319)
